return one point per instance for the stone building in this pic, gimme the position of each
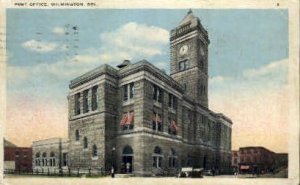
(142, 121)
(50, 155)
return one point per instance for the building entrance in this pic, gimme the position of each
(127, 160)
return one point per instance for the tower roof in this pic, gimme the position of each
(188, 17)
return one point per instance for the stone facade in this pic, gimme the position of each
(50, 155)
(142, 121)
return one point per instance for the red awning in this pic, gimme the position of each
(130, 119)
(124, 119)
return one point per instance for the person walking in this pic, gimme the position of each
(112, 172)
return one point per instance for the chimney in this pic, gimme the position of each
(124, 64)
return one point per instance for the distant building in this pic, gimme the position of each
(235, 160)
(17, 158)
(257, 159)
(50, 155)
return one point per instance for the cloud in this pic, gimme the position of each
(217, 79)
(58, 31)
(39, 46)
(271, 69)
(136, 40)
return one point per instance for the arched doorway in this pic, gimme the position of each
(127, 160)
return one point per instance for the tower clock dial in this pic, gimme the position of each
(183, 50)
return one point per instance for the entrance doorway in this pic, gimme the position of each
(127, 160)
(204, 162)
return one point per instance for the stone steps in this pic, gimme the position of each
(124, 175)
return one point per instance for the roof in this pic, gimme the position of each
(189, 17)
(7, 143)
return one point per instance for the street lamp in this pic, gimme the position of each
(113, 156)
(112, 162)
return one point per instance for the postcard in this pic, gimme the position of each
(130, 92)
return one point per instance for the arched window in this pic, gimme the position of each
(44, 159)
(52, 159)
(37, 159)
(95, 151)
(37, 155)
(85, 142)
(172, 158)
(127, 150)
(157, 157)
(77, 136)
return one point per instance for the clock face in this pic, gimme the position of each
(183, 50)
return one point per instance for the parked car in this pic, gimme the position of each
(208, 173)
(191, 172)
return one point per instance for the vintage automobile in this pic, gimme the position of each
(191, 172)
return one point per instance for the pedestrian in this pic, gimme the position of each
(112, 172)
(127, 167)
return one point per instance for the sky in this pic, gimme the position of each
(248, 58)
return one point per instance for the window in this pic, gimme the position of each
(202, 89)
(85, 142)
(172, 101)
(157, 93)
(52, 159)
(157, 157)
(77, 103)
(128, 91)
(172, 158)
(77, 136)
(183, 65)
(17, 153)
(127, 121)
(172, 127)
(44, 159)
(95, 98)
(157, 122)
(65, 159)
(85, 101)
(37, 158)
(25, 154)
(94, 151)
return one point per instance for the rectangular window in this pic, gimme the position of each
(128, 91)
(172, 101)
(77, 103)
(172, 127)
(131, 90)
(157, 160)
(125, 92)
(157, 122)
(95, 98)
(127, 121)
(157, 93)
(65, 158)
(85, 101)
(183, 65)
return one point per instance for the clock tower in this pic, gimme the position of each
(189, 53)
